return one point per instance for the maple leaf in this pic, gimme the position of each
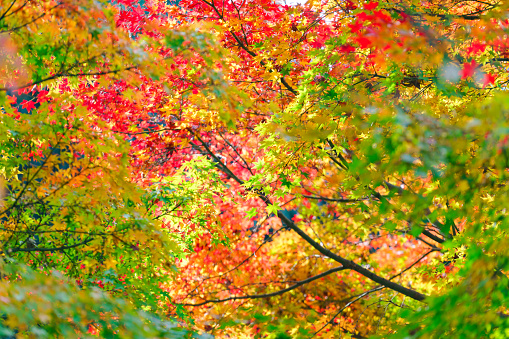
(12, 99)
(252, 213)
(476, 48)
(363, 16)
(28, 105)
(468, 69)
(273, 209)
(42, 96)
(355, 27)
(371, 6)
(382, 16)
(350, 6)
(347, 49)
(285, 266)
(489, 79)
(127, 3)
(111, 263)
(363, 42)
(317, 44)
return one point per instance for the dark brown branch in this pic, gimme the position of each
(235, 150)
(333, 200)
(415, 263)
(470, 16)
(360, 296)
(144, 132)
(37, 249)
(273, 294)
(350, 264)
(499, 60)
(343, 164)
(7, 10)
(433, 237)
(429, 244)
(60, 75)
(290, 224)
(245, 48)
(11, 30)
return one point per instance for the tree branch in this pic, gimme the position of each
(350, 264)
(360, 296)
(37, 249)
(290, 224)
(333, 200)
(273, 294)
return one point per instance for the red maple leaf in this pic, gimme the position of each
(12, 99)
(362, 16)
(347, 49)
(28, 105)
(355, 27)
(489, 79)
(382, 16)
(317, 44)
(476, 48)
(363, 42)
(43, 96)
(468, 69)
(371, 6)
(127, 3)
(349, 5)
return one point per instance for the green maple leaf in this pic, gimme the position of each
(273, 209)
(252, 213)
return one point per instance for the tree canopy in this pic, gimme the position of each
(254, 169)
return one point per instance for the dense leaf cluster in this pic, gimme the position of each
(254, 169)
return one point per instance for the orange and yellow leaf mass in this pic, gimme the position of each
(254, 169)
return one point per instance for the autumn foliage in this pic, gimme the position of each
(254, 169)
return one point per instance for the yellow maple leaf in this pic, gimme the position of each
(110, 263)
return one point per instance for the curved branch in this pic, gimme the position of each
(65, 74)
(360, 296)
(415, 263)
(246, 49)
(350, 264)
(290, 224)
(36, 249)
(273, 294)
(331, 199)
